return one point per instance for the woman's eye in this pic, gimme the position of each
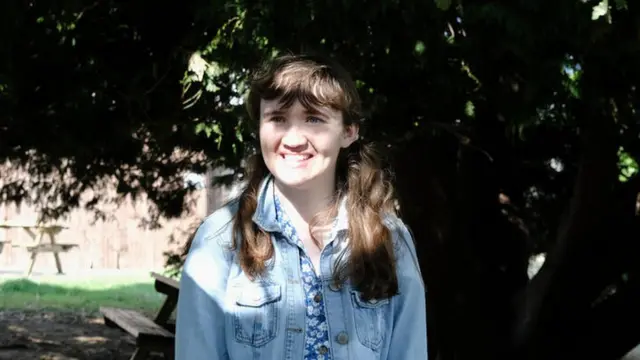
(315, 119)
(278, 119)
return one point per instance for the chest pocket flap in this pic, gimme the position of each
(257, 296)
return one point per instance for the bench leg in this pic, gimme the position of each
(140, 354)
(32, 263)
(55, 254)
(34, 254)
(58, 263)
(166, 310)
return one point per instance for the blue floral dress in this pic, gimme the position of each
(317, 330)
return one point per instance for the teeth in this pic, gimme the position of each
(296, 157)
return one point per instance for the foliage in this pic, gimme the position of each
(93, 96)
(101, 82)
(512, 127)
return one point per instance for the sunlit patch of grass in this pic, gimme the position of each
(85, 294)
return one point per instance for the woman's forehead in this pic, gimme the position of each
(277, 106)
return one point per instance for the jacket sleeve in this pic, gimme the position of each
(200, 321)
(409, 333)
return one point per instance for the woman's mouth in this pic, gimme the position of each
(296, 160)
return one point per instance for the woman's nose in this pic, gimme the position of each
(294, 138)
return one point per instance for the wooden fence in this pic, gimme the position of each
(119, 242)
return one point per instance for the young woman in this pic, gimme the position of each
(310, 262)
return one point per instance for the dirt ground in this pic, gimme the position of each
(39, 335)
(42, 335)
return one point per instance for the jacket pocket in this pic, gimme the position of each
(255, 317)
(370, 320)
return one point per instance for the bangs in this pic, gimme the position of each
(313, 87)
(313, 81)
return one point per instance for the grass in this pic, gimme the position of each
(80, 293)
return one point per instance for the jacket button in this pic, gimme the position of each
(323, 350)
(334, 287)
(342, 338)
(317, 298)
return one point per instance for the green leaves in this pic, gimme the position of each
(209, 130)
(600, 10)
(621, 4)
(470, 109)
(419, 47)
(572, 74)
(603, 9)
(627, 164)
(443, 5)
(203, 127)
(413, 62)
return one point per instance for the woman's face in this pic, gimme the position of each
(300, 146)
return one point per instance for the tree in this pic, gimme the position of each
(91, 93)
(505, 123)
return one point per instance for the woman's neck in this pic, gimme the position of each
(304, 203)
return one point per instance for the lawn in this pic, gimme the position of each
(85, 293)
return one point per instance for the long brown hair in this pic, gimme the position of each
(316, 81)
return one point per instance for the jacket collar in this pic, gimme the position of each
(265, 214)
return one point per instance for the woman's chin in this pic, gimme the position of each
(295, 182)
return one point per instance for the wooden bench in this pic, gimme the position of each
(171, 288)
(35, 249)
(55, 248)
(151, 335)
(37, 233)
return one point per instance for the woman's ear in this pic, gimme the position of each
(350, 135)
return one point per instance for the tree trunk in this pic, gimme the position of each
(562, 292)
(464, 245)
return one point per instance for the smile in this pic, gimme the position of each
(296, 159)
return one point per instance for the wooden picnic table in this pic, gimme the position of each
(157, 334)
(37, 233)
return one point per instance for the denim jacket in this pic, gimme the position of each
(221, 314)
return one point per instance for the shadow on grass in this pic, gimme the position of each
(51, 321)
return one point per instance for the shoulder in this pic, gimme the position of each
(210, 253)
(217, 227)
(407, 264)
(403, 241)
